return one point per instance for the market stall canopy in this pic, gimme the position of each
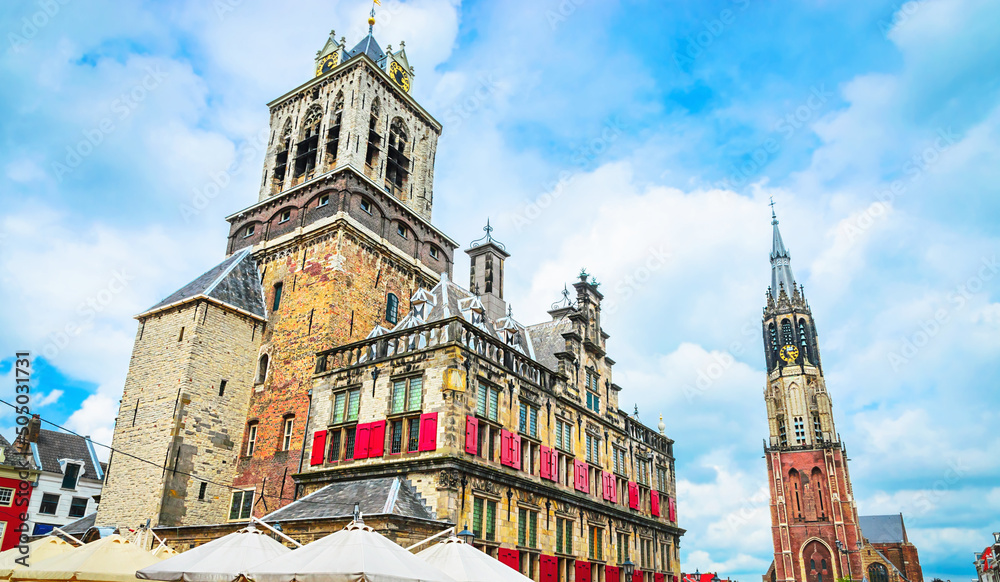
(220, 560)
(110, 559)
(163, 552)
(465, 563)
(38, 550)
(354, 554)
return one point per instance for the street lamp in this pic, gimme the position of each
(466, 536)
(715, 578)
(846, 552)
(629, 568)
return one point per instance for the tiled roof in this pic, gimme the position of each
(380, 496)
(235, 282)
(52, 446)
(882, 529)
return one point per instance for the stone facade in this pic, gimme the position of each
(174, 409)
(609, 472)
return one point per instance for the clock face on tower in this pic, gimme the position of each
(400, 76)
(329, 62)
(789, 353)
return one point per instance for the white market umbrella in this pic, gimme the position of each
(110, 559)
(465, 563)
(354, 554)
(221, 560)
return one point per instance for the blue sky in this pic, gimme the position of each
(641, 140)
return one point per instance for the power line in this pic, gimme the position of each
(165, 468)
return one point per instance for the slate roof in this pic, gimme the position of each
(81, 526)
(52, 446)
(546, 340)
(380, 496)
(883, 529)
(370, 47)
(234, 282)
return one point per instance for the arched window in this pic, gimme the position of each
(333, 134)
(803, 338)
(305, 153)
(391, 308)
(795, 486)
(878, 573)
(374, 139)
(281, 157)
(786, 333)
(817, 480)
(818, 556)
(397, 166)
(262, 368)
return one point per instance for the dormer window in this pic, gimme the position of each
(249, 231)
(71, 474)
(285, 216)
(323, 200)
(366, 206)
(401, 230)
(434, 253)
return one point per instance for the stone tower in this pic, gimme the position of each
(342, 235)
(184, 403)
(813, 516)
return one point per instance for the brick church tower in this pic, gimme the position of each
(814, 521)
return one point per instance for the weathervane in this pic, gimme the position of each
(565, 301)
(488, 239)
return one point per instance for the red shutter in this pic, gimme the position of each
(428, 432)
(614, 489)
(637, 576)
(361, 436)
(471, 435)
(376, 439)
(633, 495)
(505, 447)
(509, 557)
(580, 477)
(554, 466)
(654, 503)
(658, 577)
(515, 451)
(611, 574)
(318, 448)
(582, 571)
(543, 462)
(672, 508)
(548, 569)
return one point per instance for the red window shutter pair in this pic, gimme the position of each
(582, 571)
(633, 495)
(318, 448)
(637, 576)
(611, 574)
(672, 508)
(428, 432)
(548, 568)
(509, 557)
(471, 435)
(654, 503)
(510, 449)
(369, 440)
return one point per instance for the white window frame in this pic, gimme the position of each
(10, 498)
(251, 439)
(286, 437)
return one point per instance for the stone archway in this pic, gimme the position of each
(817, 562)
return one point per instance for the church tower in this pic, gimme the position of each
(813, 516)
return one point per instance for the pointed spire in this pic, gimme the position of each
(781, 269)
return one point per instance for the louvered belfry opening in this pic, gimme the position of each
(306, 149)
(397, 169)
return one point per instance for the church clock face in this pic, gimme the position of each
(328, 63)
(400, 76)
(789, 353)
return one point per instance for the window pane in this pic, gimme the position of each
(69, 477)
(413, 432)
(522, 527)
(247, 505)
(533, 418)
(533, 522)
(416, 393)
(477, 518)
(559, 535)
(397, 437)
(398, 395)
(494, 403)
(491, 519)
(234, 507)
(338, 407)
(354, 405)
(349, 444)
(335, 445)
(523, 426)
